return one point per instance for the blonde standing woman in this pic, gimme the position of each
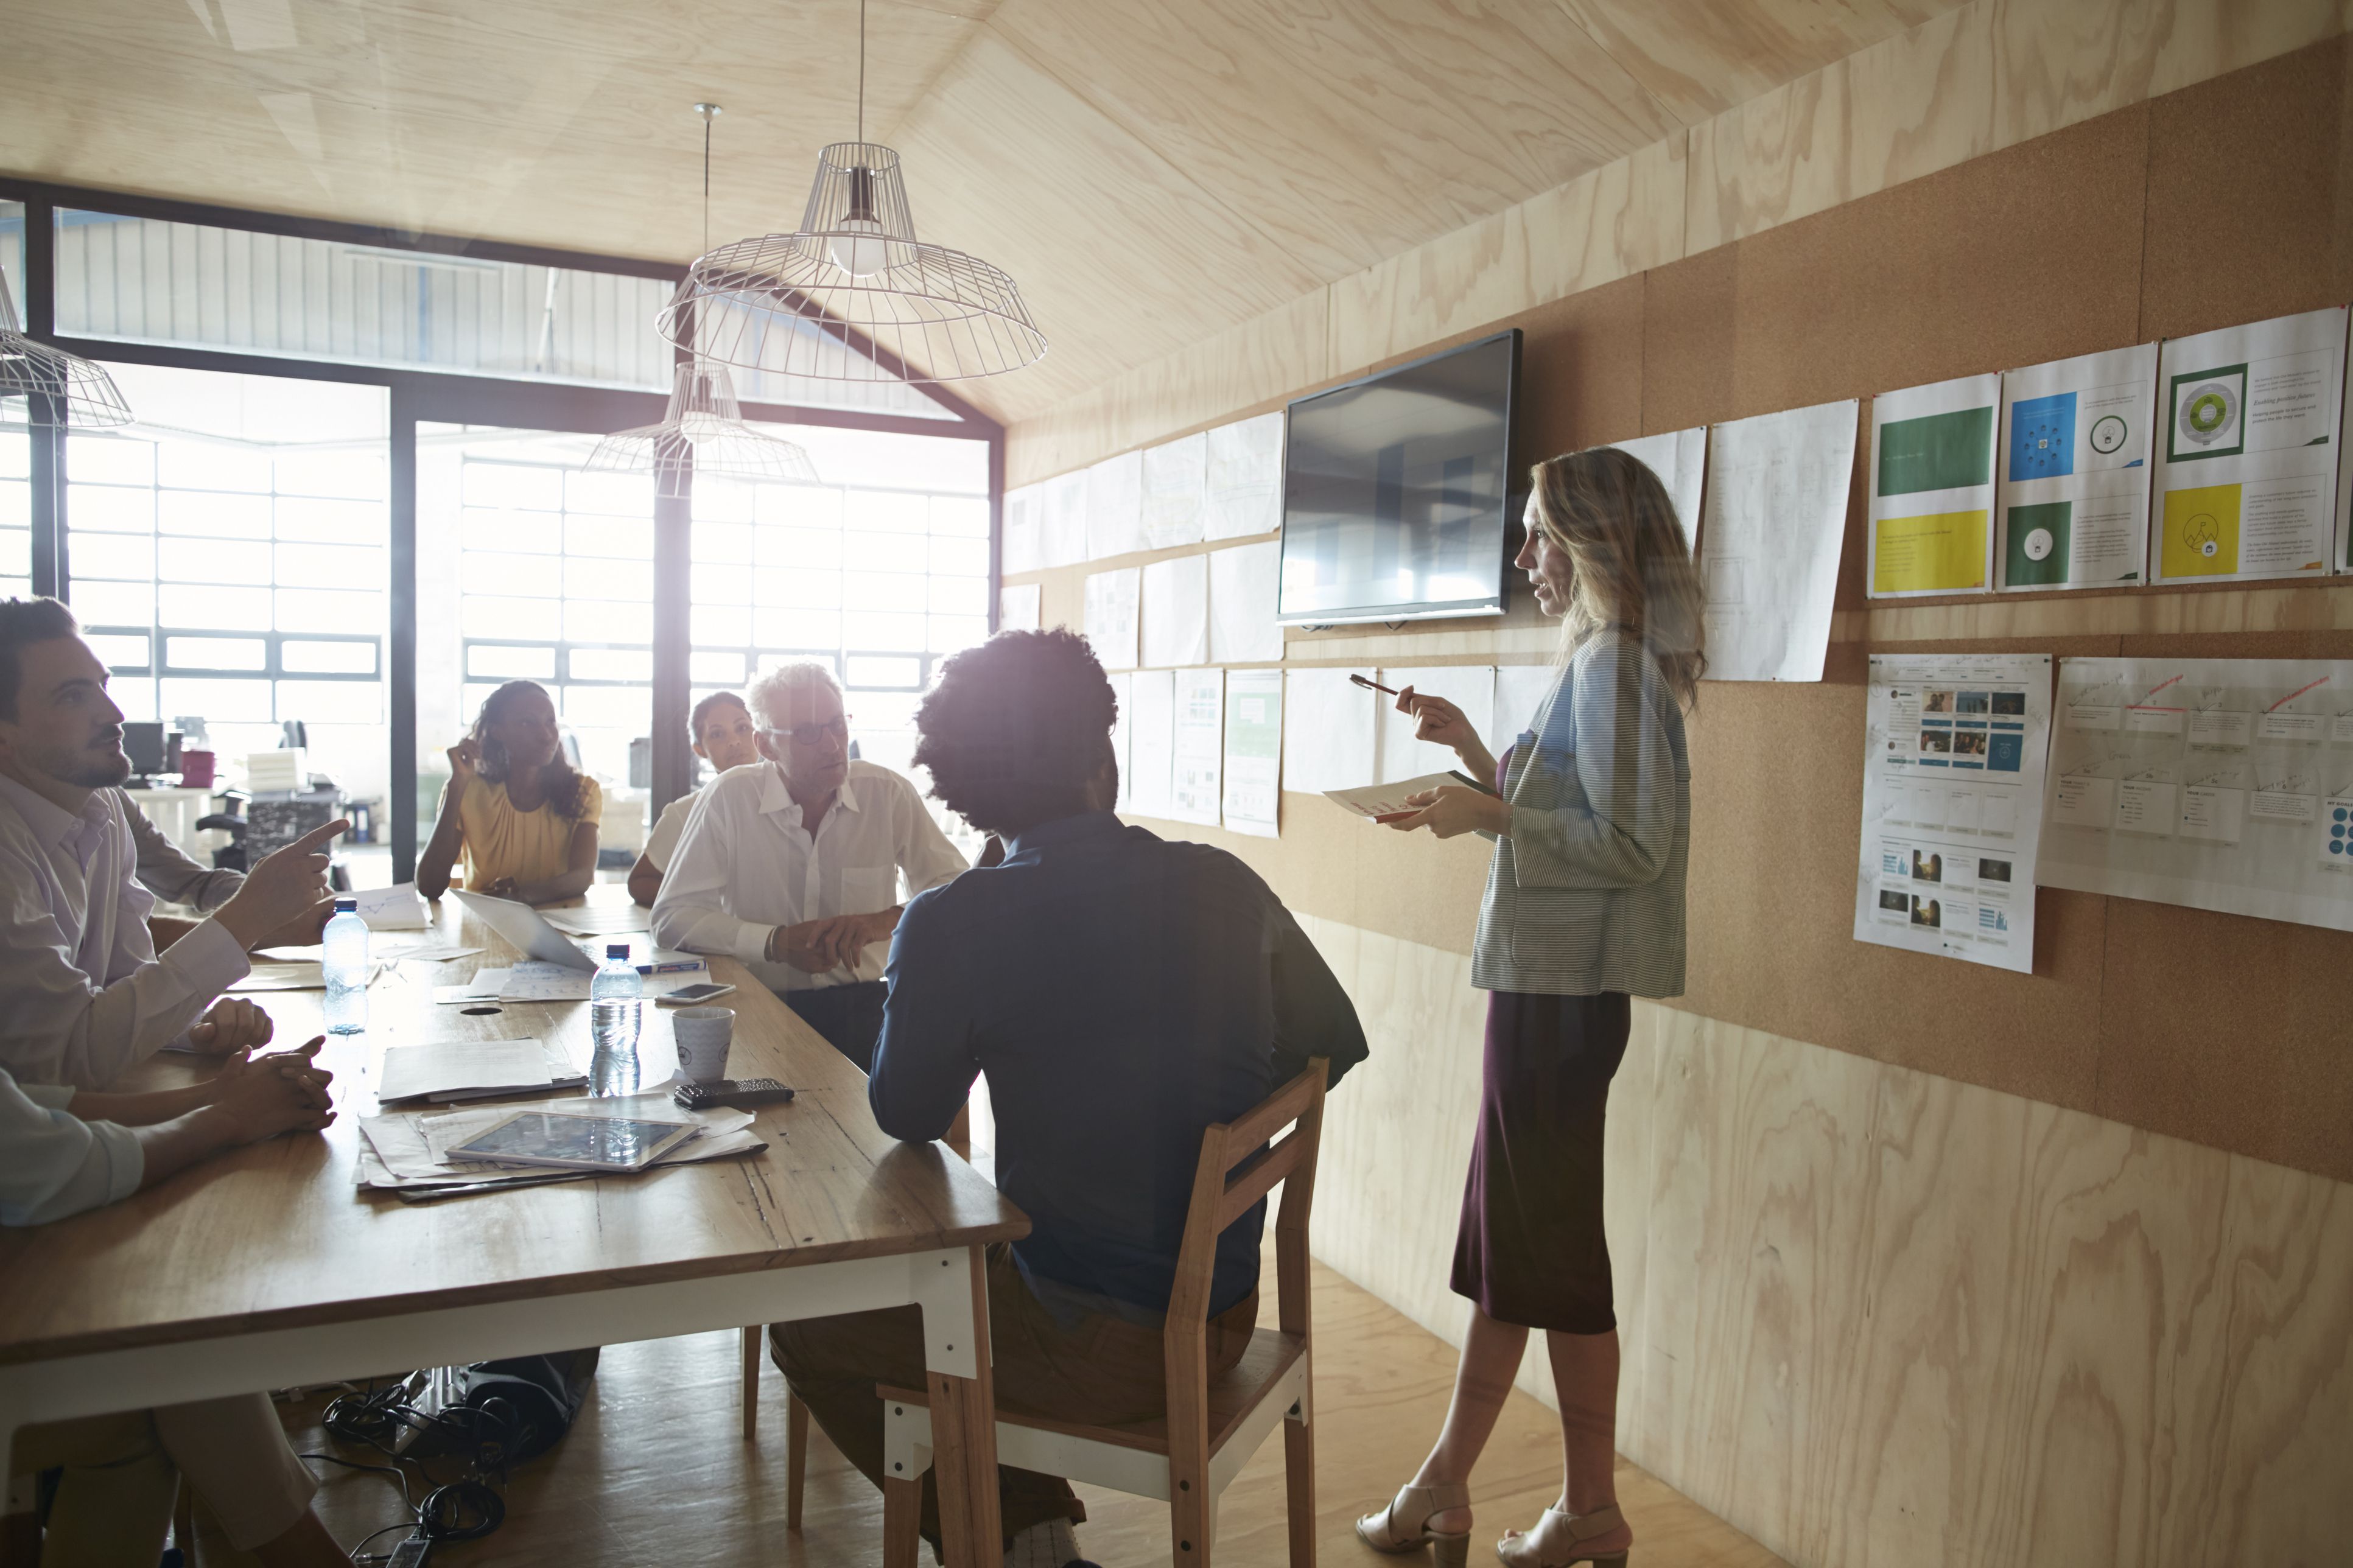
(1584, 909)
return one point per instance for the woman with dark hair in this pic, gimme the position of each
(523, 819)
(723, 734)
(1584, 908)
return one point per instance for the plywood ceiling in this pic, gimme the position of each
(1150, 171)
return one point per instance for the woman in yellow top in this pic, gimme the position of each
(525, 822)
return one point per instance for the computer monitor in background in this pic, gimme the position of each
(142, 742)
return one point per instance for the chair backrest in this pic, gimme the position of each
(1236, 1170)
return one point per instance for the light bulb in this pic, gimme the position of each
(700, 425)
(860, 257)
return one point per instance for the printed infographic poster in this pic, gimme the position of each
(2222, 784)
(1776, 515)
(2246, 450)
(1253, 761)
(1932, 488)
(1198, 746)
(1680, 459)
(1952, 797)
(2074, 472)
(1110, 617)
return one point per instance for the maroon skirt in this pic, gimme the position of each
(1531, 1249)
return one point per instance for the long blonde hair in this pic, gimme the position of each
(1610, 515)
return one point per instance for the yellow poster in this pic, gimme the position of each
(1943, 553)
(2202, 531)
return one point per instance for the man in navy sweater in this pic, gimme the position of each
(1122, 992)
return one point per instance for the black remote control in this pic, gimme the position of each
(741, 1092)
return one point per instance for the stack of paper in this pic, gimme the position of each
(464, 1070)
(601, 919)
(290, 974)
(406, 1152)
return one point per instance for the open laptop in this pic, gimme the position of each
(529, 931)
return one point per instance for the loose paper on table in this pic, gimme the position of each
(2074, 509)
(1680, 459)
(1244, 585)
(1521, 692)
(2220, 783)
(1253, 758)
(1177, 611)
(1932, 488)
(1063, 531)
(1954, 751)
(1175, 477)
(1152, 742)
(2246, 451)
(1328, 729)
(601, 919)
(1018, 606)
(1111, 616)
(1776, 514)
(450, 1067)
(1243, 490)
(1024, 530)
(1469, 686)
(1122, 695)
(1196, 794)
(393, 908)
(1115, 507)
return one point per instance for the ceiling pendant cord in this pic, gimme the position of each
(861, 70)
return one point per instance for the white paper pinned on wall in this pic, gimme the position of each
(1243, 584)
(1123, 696)
(1931, 475)
(1680, 459)
(1062, 532)
(1018, 606)
(1115, 507)
(1111, 616)
(1244, 488)
(1025, 522)
(1152, 741)
(1174, 479)
(1521, 691)
(1775, 517)
(1253, 758)
(1177, 611)
(1469, 686)
(2073, 453)
(1327, 732)
(1195, 791)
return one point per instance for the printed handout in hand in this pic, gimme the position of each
(1383, 802)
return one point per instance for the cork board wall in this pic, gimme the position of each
(2225, 203)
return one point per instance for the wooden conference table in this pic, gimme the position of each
(267, 1268)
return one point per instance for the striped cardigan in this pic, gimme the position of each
(1587, 893)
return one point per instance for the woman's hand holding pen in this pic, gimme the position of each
(1451, 810)
(1441, 722)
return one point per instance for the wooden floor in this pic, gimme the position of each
(656, 1472)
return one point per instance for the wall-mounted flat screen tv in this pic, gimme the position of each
(1396, 491)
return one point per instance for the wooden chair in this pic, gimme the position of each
(1214, 1423)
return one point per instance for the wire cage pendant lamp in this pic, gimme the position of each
(852, 295)
(57, 387)
(703, 430)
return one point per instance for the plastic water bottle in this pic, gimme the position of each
(344, 960)
(616, 1009)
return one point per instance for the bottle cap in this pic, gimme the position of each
(616, 950)
(347, 906)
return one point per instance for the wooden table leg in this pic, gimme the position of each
(963, 1448)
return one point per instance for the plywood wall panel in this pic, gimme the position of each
(2224, 248)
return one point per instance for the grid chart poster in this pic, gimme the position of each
(2222, 784)
(1254, 760)
(1952, 797)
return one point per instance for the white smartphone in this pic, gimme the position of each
(693, 995)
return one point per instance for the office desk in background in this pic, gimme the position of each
(175, 811)
(268, 1267)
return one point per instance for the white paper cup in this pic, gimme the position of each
(703, 1034)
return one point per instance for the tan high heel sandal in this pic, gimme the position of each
(1555, 1541)
(1404, 1525)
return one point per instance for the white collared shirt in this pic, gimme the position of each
(82, 994)
(745, 866)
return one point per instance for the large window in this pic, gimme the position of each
(16, 504)
(226, 556)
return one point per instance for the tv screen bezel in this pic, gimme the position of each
(1514, 493)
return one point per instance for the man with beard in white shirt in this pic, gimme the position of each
(794, 866)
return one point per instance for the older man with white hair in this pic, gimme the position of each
(794, 867)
